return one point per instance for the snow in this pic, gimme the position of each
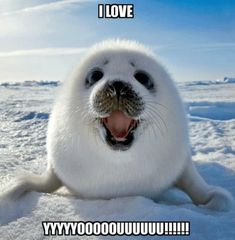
(25, 109)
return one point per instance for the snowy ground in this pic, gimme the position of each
(24, 112)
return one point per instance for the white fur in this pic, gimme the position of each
(160, 155)
(85, 163)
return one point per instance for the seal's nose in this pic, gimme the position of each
(120, 87)
(118, 95)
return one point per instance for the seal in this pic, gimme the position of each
(118, 128)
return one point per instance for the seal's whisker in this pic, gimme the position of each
(154, 102)
(155, 130)
(155, 116)
(153, 121)
(158, 114)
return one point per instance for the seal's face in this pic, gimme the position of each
(117, 87)
(119, 107)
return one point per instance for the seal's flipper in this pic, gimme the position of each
(201, 193)
(47, 182)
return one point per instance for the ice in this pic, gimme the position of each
(210, 82)
(31, 83)
(212, 110)
(33, 115)
(24, 113)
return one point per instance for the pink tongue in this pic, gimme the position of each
(118, 124)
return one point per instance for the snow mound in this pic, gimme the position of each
(229, 80)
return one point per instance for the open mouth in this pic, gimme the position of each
(119, 130)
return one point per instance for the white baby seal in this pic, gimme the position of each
(118, 128)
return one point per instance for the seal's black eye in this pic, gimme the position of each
(145, 79)
(93, 77)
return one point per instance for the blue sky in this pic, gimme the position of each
(194, 40)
